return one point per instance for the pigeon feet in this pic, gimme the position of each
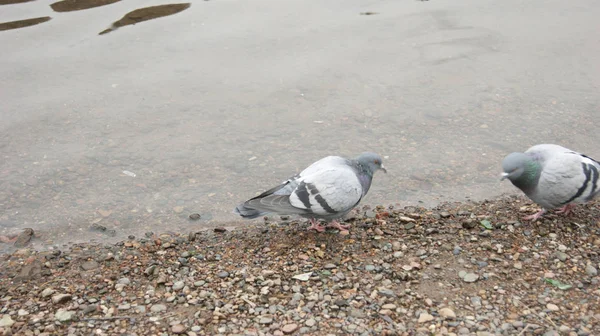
(337, 225)
(566, 209)
(315, 225)
(535, 216)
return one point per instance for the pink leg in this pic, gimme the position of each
(535, 216)
(315, 225)
(566, 209)
(336, 225)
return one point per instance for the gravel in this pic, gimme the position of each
(437, 277)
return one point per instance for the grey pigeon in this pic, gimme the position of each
(328, 189)
(553, 177)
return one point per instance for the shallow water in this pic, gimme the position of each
(199, 110)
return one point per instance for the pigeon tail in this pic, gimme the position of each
(248, 213)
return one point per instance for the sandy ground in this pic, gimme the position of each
(458, 269)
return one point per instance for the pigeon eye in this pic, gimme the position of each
(376, 161)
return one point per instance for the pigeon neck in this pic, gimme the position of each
(529, 179)
(365, 176)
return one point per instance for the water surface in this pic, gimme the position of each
(199, 110)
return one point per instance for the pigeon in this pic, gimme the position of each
(328, 189)
(553, 177)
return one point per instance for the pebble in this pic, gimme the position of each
(90, 265)
(47, 292)
(471, 277)
(178, 285)
(124, 281)
(265, 320)
(223, 274)
(447, 313)
(289, 328)
(6, 321)
(158, 308)
(310, 322)
(178, 329)
(564, 329)
(61, 298)
(591, 270)
(22, 312)
(562, 256)
(518, 324)
(552, 307)
(425, 317)
(63, 315)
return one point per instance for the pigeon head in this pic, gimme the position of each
(371, 162)
(520, 169)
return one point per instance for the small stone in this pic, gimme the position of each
(552, 307)
(178, 329)
(223, 274)
(329, 266)
(6, 321)
(389, 306)
(357, 313)
(471, 277)
(591, 270)
(47, 292)
(447, 313)
(462, 274)
(518, 324)
(195, 216)
(518, 265)
(289, 328)
(24, 238)
(63, 315)
(424, 317)
(444, 214)
(124, 306)
(178, 285)
(61, 298)
(369, 268)
(22, 312)
(124, 281)
(158, 308)
(90, 265)
(220, 229)
(265, 320)
(564, 329)
(310, 322)
(562, 256)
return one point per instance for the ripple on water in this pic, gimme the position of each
(145, 14)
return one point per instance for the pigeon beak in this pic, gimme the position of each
(383, 168)
(504, 176)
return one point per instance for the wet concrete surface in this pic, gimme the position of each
(194, 112)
